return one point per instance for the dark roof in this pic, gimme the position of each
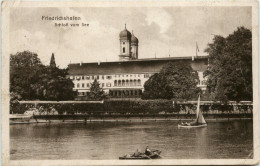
(125, 35)
(134, 39)
(152, 65)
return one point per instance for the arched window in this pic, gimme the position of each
(123, 49)
(78, 85)
(139, 82)
(134, 82)
(123, 82)
(119, 82)
(115, 83)
(131, 82)
(127, 83)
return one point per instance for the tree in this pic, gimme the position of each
(23, 69)
(176, 80)
(96, 93)
(52, 84)
(31, 80)
(230, 71)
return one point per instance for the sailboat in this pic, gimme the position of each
(199, 121)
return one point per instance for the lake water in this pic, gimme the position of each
(109, 140)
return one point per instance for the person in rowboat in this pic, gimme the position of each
(147, 151)
(136, 153)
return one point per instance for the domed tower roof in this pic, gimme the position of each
(134, 39)
(125, 34)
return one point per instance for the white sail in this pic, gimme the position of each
(198, 108)
(199, 116)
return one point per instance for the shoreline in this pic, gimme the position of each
(34, 121)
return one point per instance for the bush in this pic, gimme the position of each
(121, 107)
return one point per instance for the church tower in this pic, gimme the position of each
(125, 45)
(134, 47)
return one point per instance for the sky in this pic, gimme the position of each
(162, 31)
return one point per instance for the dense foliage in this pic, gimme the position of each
(31, 80)
(52, 84)
(125, 107)
(96, 92)
(23, 69)
(176, 80)
(230, 71)
(109, 106)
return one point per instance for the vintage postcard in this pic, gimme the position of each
(130, 83)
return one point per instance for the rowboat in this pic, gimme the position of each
(155, 154)
(19, 118)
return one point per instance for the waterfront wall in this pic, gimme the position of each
(126, 107)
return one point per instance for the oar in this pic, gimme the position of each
(148, 156)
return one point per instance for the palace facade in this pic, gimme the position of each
(126, 77)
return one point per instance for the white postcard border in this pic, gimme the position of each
(7, 5)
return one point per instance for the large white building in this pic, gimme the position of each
(126, 77)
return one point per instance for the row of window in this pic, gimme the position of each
(107, 77)
(82, 85)
(119, 83)
(130, 75)
(127, 82)
(90, 77)
(125, 93)
(117, 93)
(116, 83)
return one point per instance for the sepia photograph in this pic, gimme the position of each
(130, 83)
